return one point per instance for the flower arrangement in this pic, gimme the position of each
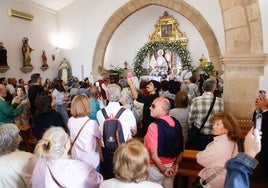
(151, 47)
(209, 68)
(114, 69)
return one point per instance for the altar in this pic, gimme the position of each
(166, 51)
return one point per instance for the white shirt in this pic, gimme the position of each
(12, 165)
(68, 173)
(127, 119)
(86, 146)
(185, 75)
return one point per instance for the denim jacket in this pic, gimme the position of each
(238, 170)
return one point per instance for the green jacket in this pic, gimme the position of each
(9, 112)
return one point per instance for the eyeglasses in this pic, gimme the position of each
(153, 106)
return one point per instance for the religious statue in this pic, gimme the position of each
(44, 66)
(203, 61)
(64, 70)
(3, 55)
(161, 61)
(44, 58)
(26, 52)
(159, 65)
(3, 58)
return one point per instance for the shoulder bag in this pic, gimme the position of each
(194, 131)
(72, 143)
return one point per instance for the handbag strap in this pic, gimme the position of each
(55, 180)
(209, 111)
(79, 133)
(215, 174)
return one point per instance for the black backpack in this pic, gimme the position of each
(112, 131)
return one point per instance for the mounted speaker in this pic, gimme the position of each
(18, 14)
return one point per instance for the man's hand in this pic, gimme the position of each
(252, 143)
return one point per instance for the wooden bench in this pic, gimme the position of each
(245, 126)
(189, 165)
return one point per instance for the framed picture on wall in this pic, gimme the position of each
(166, 30)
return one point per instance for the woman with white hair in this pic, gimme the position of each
(55, 169)
(13, 162)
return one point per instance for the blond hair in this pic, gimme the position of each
(131, 161)
(80, 106)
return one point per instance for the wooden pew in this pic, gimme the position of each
(245, 126)
(189, 166)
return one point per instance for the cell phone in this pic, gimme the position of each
(262, 94)
(258, 121)
(23, 96)
(97, 84)
(129, 75)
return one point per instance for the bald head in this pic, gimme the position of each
(160, 107)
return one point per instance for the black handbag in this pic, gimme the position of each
(195, 131)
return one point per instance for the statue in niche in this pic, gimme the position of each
(26, 52)
(161, 61)
(159, 64)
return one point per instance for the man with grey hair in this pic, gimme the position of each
(16, 166)
(126, 119)
(199, 110)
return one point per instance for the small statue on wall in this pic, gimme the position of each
(26, 52)
(64, 70)
(203, 61)
(3, 55)
(44, 61)
(3, 58)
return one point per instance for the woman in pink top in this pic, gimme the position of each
(54, 168)
(86, 147)
(221, 149)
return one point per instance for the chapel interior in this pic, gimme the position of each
(231, 35)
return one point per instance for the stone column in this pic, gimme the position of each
(241, 82)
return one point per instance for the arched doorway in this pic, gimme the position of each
(129, 8)
(244, 58)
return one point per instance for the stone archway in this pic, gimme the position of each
(244, 58)
(131, 7)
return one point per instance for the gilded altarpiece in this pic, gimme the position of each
(164, 61)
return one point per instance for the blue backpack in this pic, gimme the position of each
(112, 131)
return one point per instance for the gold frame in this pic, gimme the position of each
(166, 29)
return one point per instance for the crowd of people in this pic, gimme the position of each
(70, 120)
